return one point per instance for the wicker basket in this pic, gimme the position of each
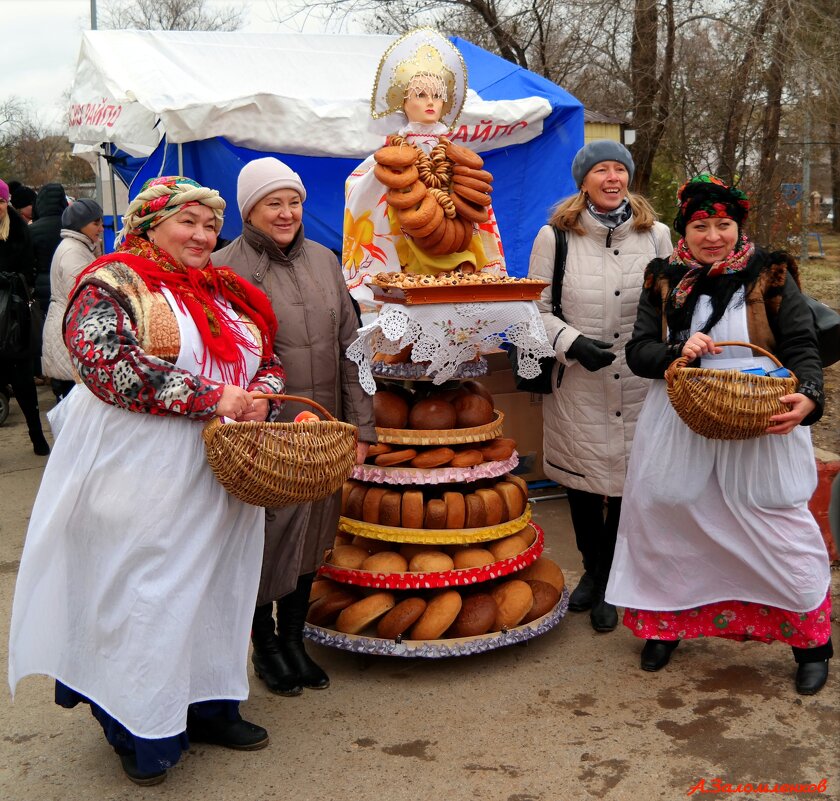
(726, 404)
(281, 464)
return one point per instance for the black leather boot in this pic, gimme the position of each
(604, 616)
(270, 664)
(291, 615)
(583, 596)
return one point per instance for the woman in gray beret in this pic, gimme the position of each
(610, 235)
(81, 230)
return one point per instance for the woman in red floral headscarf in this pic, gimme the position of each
(715, 537)
(139, 574)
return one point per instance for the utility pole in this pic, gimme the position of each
(98, 176)
(806, 181)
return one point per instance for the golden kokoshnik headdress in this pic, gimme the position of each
(423, 53)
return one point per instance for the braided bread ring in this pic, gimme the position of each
(472, 183)
(436, 219)
(445, 202)
(392, 156)
(463, 156)
(470, 211)
(472, 195)
(407, 197)
(395, 178)
(469, 172)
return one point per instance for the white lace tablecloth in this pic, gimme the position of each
(448, 334)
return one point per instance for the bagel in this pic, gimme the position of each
(463, 156)
(467, 236)
(419, 215)
(395, 177)
(378, 448)
(432, 225)
(472, 195)
(426, 242)
(469, 172)
(470, 211)
(435, 457)
(468, 458)
(407, 197)
(472, 183)
(394, 156)
(450, 239)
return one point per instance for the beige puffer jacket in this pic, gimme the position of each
(588, 422)
(73, 254)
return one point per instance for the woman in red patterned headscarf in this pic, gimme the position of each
(139, 574)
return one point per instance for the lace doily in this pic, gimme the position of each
(448, 334)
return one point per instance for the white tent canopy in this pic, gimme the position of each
(290, 93)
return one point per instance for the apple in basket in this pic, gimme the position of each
(307, 417)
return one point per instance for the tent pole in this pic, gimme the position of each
(113, 187)
(180, 160)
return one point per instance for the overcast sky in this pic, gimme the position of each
(41, 40)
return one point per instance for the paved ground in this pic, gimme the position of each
(567, 717)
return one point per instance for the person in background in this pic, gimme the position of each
(318, 323)
(589, 420)
(139, 572)
(81, 243)
(716, 538)
(23, 199)
(46, 236)
(17, 256)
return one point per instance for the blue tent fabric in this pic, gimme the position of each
(528, 178)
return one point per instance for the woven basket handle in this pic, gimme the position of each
(314, 404)
(682, 361)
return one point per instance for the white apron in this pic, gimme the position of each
(707, 520)
(139, 573)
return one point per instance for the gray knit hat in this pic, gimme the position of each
(79, 213)
(600, 150)
(262, 176)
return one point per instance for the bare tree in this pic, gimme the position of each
(171, 15)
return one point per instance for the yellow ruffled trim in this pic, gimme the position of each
(438, 536)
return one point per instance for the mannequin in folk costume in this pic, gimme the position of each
(421, 204)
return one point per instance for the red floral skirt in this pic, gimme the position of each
(735, 620)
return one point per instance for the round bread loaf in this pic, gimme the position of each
(468, 458)
(477, 388)
(440, 612)
(370, 545)
(498, 449)
(544, 569)
(477, 616)
(411, 512)
(359, 615)
(342, 538)
(431, 415)
(511, 496)
(520, 483)
(545, 599)
(476, 516)
(321, 587)
(472, 557)
(395, 457)
(430, 562)
(410, 549)
(514, 600)
(456, 509)
(450, 395)
(390, 410)
(370, 506)
(400, 618)
(435, 517)
(493, 506)
(434, 457)
(348, 556)
(473, 410)
(355, 502)
(324, 610)
(507, 547)
(390, 509)
(346, 487)
(385, 562)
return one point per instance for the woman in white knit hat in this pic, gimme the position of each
(316, 325)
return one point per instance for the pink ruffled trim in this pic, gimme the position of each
(433, 475)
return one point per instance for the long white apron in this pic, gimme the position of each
(139, 573)
(707, 520)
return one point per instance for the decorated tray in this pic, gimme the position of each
(409, 371)
(460, 293)
(432, 475)
(434, 536)
(437, 649)
(448, 578)
(447, 436)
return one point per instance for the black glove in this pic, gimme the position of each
(591, 353)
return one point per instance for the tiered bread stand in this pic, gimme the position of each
(420, 321)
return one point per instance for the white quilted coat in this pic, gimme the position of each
(590, 419)
(73, 254)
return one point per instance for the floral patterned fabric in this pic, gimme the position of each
(735, 620)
